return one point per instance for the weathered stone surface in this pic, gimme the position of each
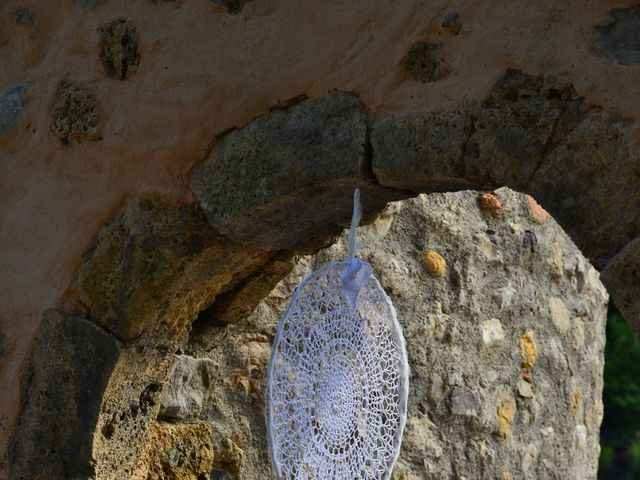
(131, 403)
(181, 452)
(492, 332)
(622, 278)
(75, 114)
(238, 303)
(295, 166)
(533, 133)
(188, 388)
(11, 107)
(528, 349)
(55, 198)
(498, 142)
(421, 151)
(490, 204)
(158, 263)
(70, 368)
(425, 62)
(474, 411)
(506, 414)
(618, 35)
(464, 402)
(590, 183)
(234, 402)
(119, 48)
(517, 125)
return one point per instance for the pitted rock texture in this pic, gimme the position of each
(203, 72)
(425, 62)
(294, 166)
(535, 134)
(25, 17)
(156, 262)
(505, 349)
(72, 361)
(119, 48)
(75, 114)
(182, 451)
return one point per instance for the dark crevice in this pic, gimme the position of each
(225, 298)
(366, 166)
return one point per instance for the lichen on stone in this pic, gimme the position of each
(119, 48)
(182, 451)
(426, 62)
(75, 114)
(146, 264)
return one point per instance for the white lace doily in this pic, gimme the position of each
(337, 381)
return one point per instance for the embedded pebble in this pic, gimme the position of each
(435, 263)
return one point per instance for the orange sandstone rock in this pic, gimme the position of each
(435, 263)
(528, 350)
(490, 204)
(539, 214)
(506, 414)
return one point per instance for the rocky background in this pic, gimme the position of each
(165, 162)
(504, 321)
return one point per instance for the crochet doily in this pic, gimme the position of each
(338, 379)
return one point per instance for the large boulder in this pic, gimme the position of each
(504, 321)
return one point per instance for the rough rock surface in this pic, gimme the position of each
(119, 48)
(158, 263)
(181, 451)
(75, 114)
(293, 166)
(623, 276)
(505, 349)
(201, 72)
(72, 363)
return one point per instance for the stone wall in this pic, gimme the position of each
(504, 321)
(116, 118)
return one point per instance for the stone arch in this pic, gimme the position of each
(280, 186)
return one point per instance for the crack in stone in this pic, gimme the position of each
(549, 146)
